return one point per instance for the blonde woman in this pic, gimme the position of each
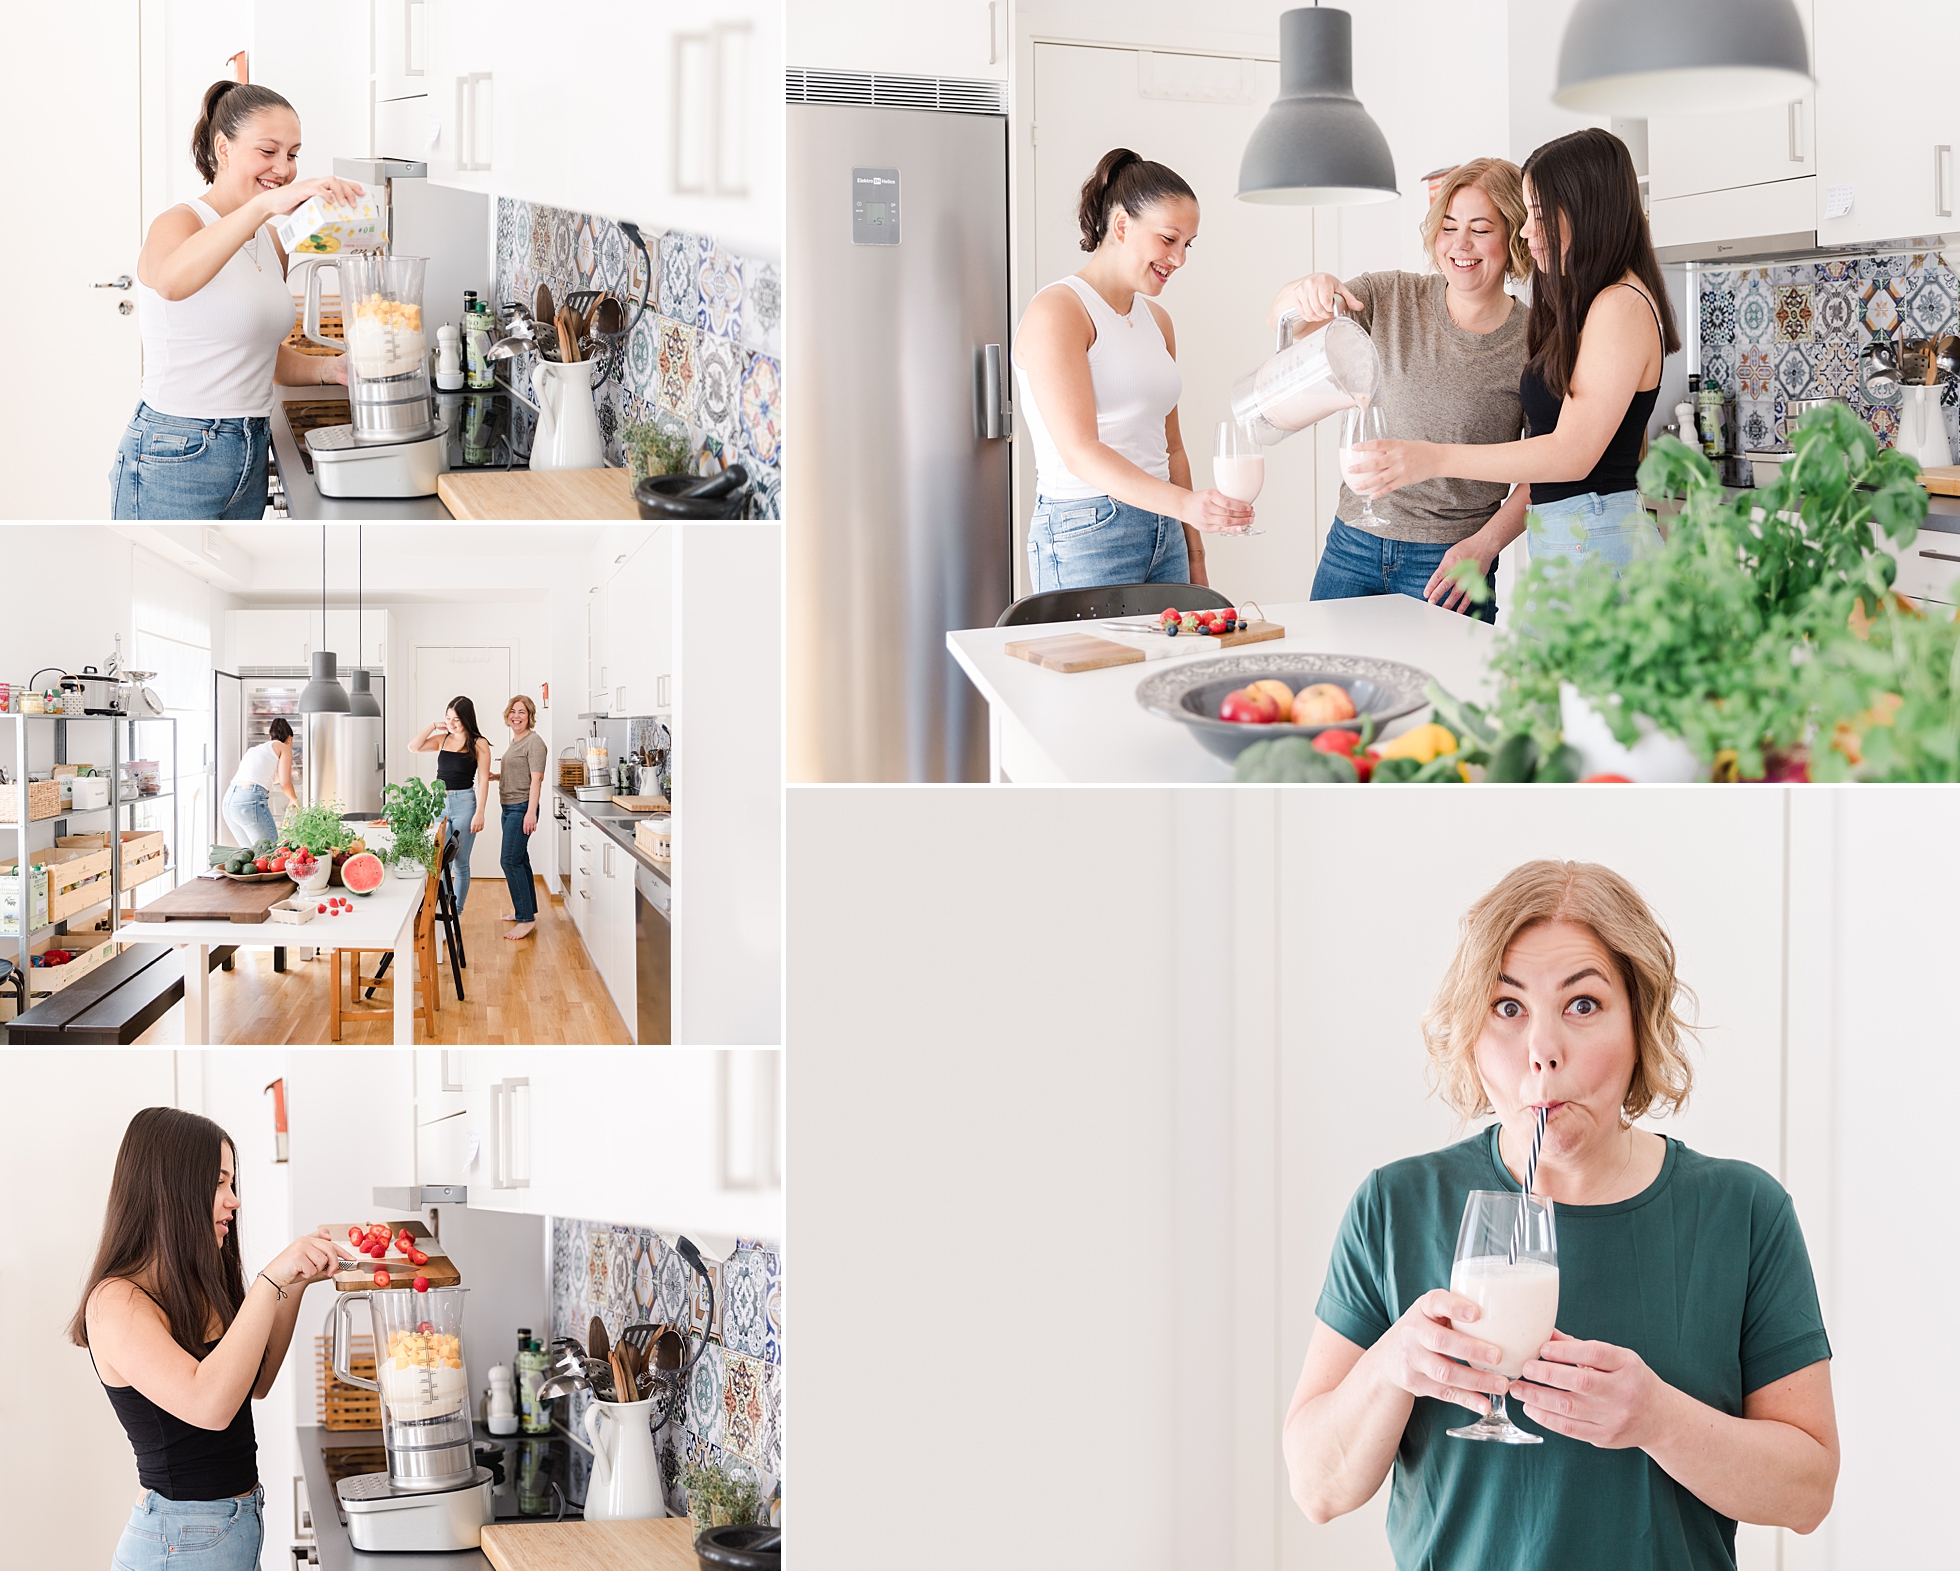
(520, 782)
(1688, 1383)
(1452, 347)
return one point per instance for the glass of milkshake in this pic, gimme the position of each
(1507, 1264)
(1362, 423)
(1238, 466)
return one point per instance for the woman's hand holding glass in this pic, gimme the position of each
(276, 204)
(1214, 513)
(1593, 1391)
(312, 1257)
(1419, 1353)
(1377, 467)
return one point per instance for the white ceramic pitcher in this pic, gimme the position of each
(625, 1483)
(568, 422)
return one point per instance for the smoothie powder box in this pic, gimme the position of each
(319, 227)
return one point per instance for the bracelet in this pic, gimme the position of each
(275, 1287)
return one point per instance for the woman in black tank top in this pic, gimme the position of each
(182, 1343)
(1599, 329)
(463, 766)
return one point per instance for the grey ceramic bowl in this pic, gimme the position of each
(1191, 693)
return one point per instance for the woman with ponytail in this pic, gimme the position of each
(1096, 360)
(183, 1343)
(215, 312)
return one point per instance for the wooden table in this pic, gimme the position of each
(539, 493)
(382, 920)
(1046, 727)
(663, 1544)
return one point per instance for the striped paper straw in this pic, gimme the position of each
(1530, 1177)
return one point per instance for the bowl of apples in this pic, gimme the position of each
(1228, 702)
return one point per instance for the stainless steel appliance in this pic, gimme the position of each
(352, 757)
(897, 367)
(653, 941)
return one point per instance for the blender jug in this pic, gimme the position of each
(425, 1392)
(387, 353)
(1301, 384)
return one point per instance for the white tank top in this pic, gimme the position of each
(211, 357)
(1136, 383)
(259, 766)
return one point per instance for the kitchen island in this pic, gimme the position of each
(1046, 727)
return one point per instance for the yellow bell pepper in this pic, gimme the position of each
(1422, 744)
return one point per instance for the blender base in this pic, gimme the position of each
(343, 467)
(382, 1518)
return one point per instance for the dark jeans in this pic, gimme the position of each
(1356, 563)
(517, 863)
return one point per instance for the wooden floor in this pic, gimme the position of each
(540, 991)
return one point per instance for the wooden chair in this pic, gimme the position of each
(358, 987)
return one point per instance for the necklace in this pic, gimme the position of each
(255, 250)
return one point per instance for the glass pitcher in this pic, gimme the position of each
(387, 350)
(1301, 384)
(419, 1374)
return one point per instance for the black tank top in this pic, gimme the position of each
(179, 1460)
(1619, 464)
(457, 770)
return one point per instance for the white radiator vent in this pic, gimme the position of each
(954, 95)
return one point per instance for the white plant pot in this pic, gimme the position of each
(1656, 759)
(407, 868)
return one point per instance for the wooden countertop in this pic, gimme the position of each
(663, 1544)
(560, 494)
(1941, 481)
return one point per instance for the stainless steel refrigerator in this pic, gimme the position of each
(341, 758)
(899, 477)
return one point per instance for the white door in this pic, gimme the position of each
(1089, 100)
(481, 674)
(61, 420)
(1687, 154)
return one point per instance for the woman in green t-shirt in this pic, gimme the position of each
(1687, 1386)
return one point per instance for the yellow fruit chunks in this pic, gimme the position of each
(398, 314)
(424, 1349)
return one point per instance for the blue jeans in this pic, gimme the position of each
(193, 1535)
(1614, 529)
(1356, 563)
(248, 811)
(460, 808)
(1096, 540)
(517, 863)
(173, 466)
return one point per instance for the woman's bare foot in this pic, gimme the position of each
(522, 930)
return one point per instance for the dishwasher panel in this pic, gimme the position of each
(653, 907)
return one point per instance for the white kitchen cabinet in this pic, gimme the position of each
(1689, 154)
(358, 636)
(611, 938)
(1929, 569)
(597, 670)
(286, 636)
(585, 852)
(476, 50)
(639, 626)
(401, 48)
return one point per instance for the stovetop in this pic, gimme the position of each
(488, 429)
(534, 1477)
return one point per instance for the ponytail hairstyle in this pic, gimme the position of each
(227, 106)
(280, 731)
(1125, 179)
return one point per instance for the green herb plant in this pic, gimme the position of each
(318, 828)
(412, 807)
(654, 448)
(719, 1498)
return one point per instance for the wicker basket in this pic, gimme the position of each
(571, 773)
(43, 800)
(342, 1406)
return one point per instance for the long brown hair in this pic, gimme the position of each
(1586, 181)
(159, 1221)
(1127, 180)
(227, 106)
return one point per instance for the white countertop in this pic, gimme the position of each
(1049, 727)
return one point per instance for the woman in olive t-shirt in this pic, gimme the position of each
(1688, 1383)
(520, 780)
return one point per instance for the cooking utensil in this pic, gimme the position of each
(1946, 355)
(1190, 692)
(1878, 368)
(562, 1385)
(608, 317)
(543, 308)
(597, 1343)
(723, 495)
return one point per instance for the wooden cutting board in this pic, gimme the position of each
(663, 1544)
(539, 494)
(642, 804)
(216, 900)
(1074, 652)
(1942, 480)
(358, 1276)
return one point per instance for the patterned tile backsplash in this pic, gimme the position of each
(1770, 334)
(705, 354)
(733, 1415)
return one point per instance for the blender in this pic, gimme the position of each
(394, 445)
(433, 1496)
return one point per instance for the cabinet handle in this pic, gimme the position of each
(1942, 165)
(508, 1119)
(1940, 556)
(1796, 131)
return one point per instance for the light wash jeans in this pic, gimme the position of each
(1095, 540)
(173, 466)
(1614, 529)
(193, 1535)
(460, 808)
(1355, 563)
(248, 811)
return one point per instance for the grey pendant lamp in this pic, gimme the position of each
(323, 694)
(1316, 146)
(1681, 57)
(360, 700)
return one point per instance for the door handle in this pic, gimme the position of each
(1942, 171)
(1796, 131)
(997, 411)
(120, 281)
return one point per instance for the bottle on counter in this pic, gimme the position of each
(478, 333)
(535, 1416)
(500, 1412)
(449, 359)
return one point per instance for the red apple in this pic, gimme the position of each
(1248, 706)
(1324, 703)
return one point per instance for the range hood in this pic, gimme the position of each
(1799, 245)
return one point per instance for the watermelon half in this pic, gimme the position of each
(362, 873)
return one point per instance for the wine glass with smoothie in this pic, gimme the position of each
(1507, 1264)
(1238, 466)
(1362, 423)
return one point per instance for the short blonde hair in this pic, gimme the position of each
(1600, 900)
(530, 711)
(1503, 182)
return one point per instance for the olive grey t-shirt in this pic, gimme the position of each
(1440, 383)
(525, 757)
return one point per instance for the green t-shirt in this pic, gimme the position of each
(1703, 1274)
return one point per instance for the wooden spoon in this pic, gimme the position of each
(543, 307)
(567, 334)
(608, 317)
(597, 1343)
(622, 1375)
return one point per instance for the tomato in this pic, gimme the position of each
(1607, 779)
(381, 1277)
(421, 1284)
(1338, 742)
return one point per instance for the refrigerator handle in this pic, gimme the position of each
(994, 401)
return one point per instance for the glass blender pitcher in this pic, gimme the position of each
(424, 1389)
(1301, 384)
(387, 351)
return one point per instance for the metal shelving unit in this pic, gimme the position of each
(21, 827)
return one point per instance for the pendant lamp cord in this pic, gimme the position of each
(360, 591)
(323, 584)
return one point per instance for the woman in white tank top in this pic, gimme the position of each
(214, 309)
(1095, 357)
(263, 768)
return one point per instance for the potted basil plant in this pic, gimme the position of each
(412, 807)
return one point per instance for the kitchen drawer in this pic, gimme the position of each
(1929, 565)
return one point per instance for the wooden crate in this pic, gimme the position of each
(43, 800)
(144, 855)
(341, 1406)
(77, 878)
(89, 952)
(571, 774)
(330, 327)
